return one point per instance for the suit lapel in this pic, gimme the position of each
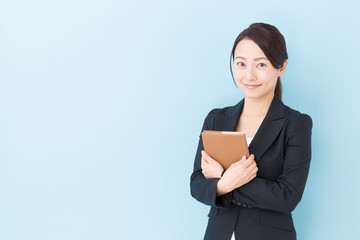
(267, 132)
(228, 120)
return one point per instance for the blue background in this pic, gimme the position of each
(102, 103)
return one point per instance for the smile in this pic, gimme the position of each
(249, 86)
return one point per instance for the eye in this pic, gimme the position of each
(262, 65)
(240, 64)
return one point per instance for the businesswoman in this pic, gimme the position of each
(254, 198)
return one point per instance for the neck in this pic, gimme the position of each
(254, 107)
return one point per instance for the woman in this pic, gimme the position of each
(254, 198)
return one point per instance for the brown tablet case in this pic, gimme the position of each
(226, 147)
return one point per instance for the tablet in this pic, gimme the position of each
(226, 147)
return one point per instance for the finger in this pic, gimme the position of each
(203, 163)
(204, 168)
(208, 157)
(214, 163)
(248, 162)
(204, 154)
(254, 171)
(204, 160)
(243, 158)
(251, 158)
(252, 177)
(239, 162)
(252, 166)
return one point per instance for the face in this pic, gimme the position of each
(253, 72)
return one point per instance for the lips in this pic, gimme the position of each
(252, 86)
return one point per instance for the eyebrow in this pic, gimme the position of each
(256, 59)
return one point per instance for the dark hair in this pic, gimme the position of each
(270, 41)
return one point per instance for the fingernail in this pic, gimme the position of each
(202, 152)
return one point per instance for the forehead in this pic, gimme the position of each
(249, 49)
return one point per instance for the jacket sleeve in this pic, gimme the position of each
(286, 191)
(201, 188)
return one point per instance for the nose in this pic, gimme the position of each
(250, 74)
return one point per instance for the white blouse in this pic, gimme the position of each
(248, 140)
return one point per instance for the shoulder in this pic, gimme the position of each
(296, 118)
(225, 111)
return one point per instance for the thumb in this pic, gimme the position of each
(239, 161)
(205, 155)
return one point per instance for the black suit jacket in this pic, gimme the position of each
(260, 209)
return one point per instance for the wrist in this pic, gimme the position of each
(220, 188)
(220, 173)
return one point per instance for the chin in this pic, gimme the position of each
(257, 95)
(252, 96)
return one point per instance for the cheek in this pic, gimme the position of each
(238, 74)
(269, 77)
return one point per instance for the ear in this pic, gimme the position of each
(282, 69)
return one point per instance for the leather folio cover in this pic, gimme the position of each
(226, 147)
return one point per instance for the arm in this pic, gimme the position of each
(286, 191)
(237, 175)
(205, 189)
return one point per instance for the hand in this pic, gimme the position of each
(237, 175)
(210, 167)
